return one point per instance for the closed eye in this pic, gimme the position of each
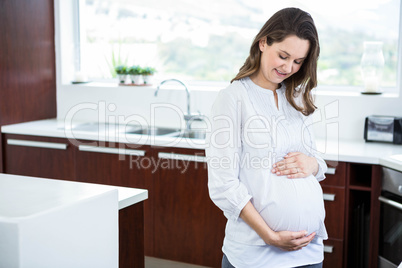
(296, 61)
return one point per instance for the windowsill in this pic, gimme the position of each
(216, 86)
(343, 93)
(194, 86)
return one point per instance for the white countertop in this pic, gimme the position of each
(54, 128)
(23, 196)
(56, 223)
(357, 151)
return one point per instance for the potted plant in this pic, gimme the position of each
(135, 74)
(147, 75)
(121, 72)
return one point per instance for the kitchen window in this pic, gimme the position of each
(209, 40)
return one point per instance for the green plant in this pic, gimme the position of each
(114, 61)
(148, 70)
(121, 69)
(135, 70)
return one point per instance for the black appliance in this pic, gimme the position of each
(383, 129)
(390, 250)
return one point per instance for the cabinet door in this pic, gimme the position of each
(111, 164)
(334, 198)
(38, 156)
(188, 226)
(334, 201)
(27, 63)
(119, 165)
(336, 174)
(333, 253)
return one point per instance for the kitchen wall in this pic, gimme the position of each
(351, 113)
(132, 105)
(338, 115)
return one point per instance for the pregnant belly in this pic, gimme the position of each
(294, 205)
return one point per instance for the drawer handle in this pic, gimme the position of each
(38, 144)
(185, 157)
(107, 150)
(331, 171)
(328, 249)
(390, 202)
(328, 197)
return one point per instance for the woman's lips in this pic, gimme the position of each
(280, 73)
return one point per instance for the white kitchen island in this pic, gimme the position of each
(56, 223)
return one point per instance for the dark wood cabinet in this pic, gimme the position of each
(333, 255)
(180, 221)
(94, 162)
(334, 200)
(362, 217)
(120, 165)
(131, 236)
(188, 226)
(112, 164)
(38, 156)
(351, 192)
(334, 190)
(27, 62)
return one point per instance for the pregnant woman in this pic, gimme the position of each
(263, 169)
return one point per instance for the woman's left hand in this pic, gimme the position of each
(296, 165)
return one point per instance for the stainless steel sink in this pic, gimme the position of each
(170, 132)
(132, 129)
(155, 131)
(97, 127)
(192, 134)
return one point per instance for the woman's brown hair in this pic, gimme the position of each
(286, 22)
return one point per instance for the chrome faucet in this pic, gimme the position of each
(189, 118)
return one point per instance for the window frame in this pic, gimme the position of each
(68, 37)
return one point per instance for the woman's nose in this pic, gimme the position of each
(287, 67)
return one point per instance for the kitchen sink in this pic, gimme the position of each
(97, 127)
(133, 129)
(170, 132)
(155, 131)
(191, 134)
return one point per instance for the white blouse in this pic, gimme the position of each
(249, 134)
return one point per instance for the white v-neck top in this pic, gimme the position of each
(249, 134)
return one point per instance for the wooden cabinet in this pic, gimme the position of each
(181, 223)
(334, 200)
(27, 62)
(94, 162)
(351, 192)
(362, 217)
(38, 156)
(333, 253)
(120, 165)
(188, 226)
(131, 236)
(334, 190)
(112, 164)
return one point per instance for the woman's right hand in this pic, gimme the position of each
(289, 241)
(285, 240)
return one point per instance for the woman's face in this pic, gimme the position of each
(280, 60)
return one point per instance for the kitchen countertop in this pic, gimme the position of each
(53, 223)
(24, 196)
(55, 128)
(357, 151)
